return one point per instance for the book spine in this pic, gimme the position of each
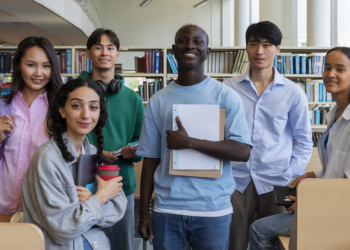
(297, 64)
(316, 92)
(303, 65)
(161, 62)
(174, 60)
(172, 65)
(153, 64)
(329, 97)
(311, 114)
(291, 64)
(2, 63)
(69, 61)
(63, 62)
(308, 91)
(147, 61)
(279, 64)
(320, 92)
(323, 62)
(80, 62)
(317, 117)
(157, 59)
(284, 65)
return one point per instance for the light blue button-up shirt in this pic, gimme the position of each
(280, 130)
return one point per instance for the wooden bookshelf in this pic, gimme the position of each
(167, 75)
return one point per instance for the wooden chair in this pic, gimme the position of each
(323, 218)
(314, 164)
(19, 236)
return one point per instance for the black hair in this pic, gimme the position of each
(55, 82)
(95, 38)
(59, 125)
(192, 25)
(345, 51)
(265, 29)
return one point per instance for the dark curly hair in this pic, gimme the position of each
(59, 125)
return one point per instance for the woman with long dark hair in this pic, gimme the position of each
(333, 149)
(24, 120)
(69, 216)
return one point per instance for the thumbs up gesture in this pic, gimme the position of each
(178, 139)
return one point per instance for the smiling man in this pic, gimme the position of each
(189, 212)
(278, 120)
(123, 126)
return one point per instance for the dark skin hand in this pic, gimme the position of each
(293, 185)
(229, 150)
(149, 166)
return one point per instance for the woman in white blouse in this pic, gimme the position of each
(333, 149)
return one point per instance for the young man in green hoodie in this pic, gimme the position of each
(123, 126)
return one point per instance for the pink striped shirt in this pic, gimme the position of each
(27, 135)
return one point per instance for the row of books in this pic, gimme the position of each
(316, 91)
(6, 62)
(151, 63)
(149, 88)
(172, 63)
(82, 62)
(64, 58)
(5, 89)
(232, 62)
(312, 64)
(318, 117)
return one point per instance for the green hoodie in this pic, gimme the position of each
(123, 125)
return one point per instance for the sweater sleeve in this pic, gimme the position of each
(51, 203)
(137, 129)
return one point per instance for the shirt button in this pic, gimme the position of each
(21, 159)
(95, 245)
(97, 215)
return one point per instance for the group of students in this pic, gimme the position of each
(45, 125)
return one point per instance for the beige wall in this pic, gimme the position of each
(156, 24)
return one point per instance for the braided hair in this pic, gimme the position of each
(59, 126)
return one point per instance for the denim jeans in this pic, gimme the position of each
(121, 234)
(174, 232)
(263, 233)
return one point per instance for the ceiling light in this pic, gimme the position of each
(145, 3)
(201, 3)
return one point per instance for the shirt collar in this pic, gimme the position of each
(331, 115)
(277, 78)
(71, 147)
(20, 95)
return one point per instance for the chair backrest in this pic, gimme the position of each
(19, 236)
(323, 214)
(314, 163)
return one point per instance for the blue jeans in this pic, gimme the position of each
(263, 233)
(174, 232)
(121, 234)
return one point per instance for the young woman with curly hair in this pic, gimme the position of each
(35, 82)
(69, 216)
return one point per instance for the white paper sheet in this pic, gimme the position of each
(201, 122)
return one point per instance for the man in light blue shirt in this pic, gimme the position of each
(189, 212)
(278, 121)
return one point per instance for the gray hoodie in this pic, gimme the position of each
(50, 201)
